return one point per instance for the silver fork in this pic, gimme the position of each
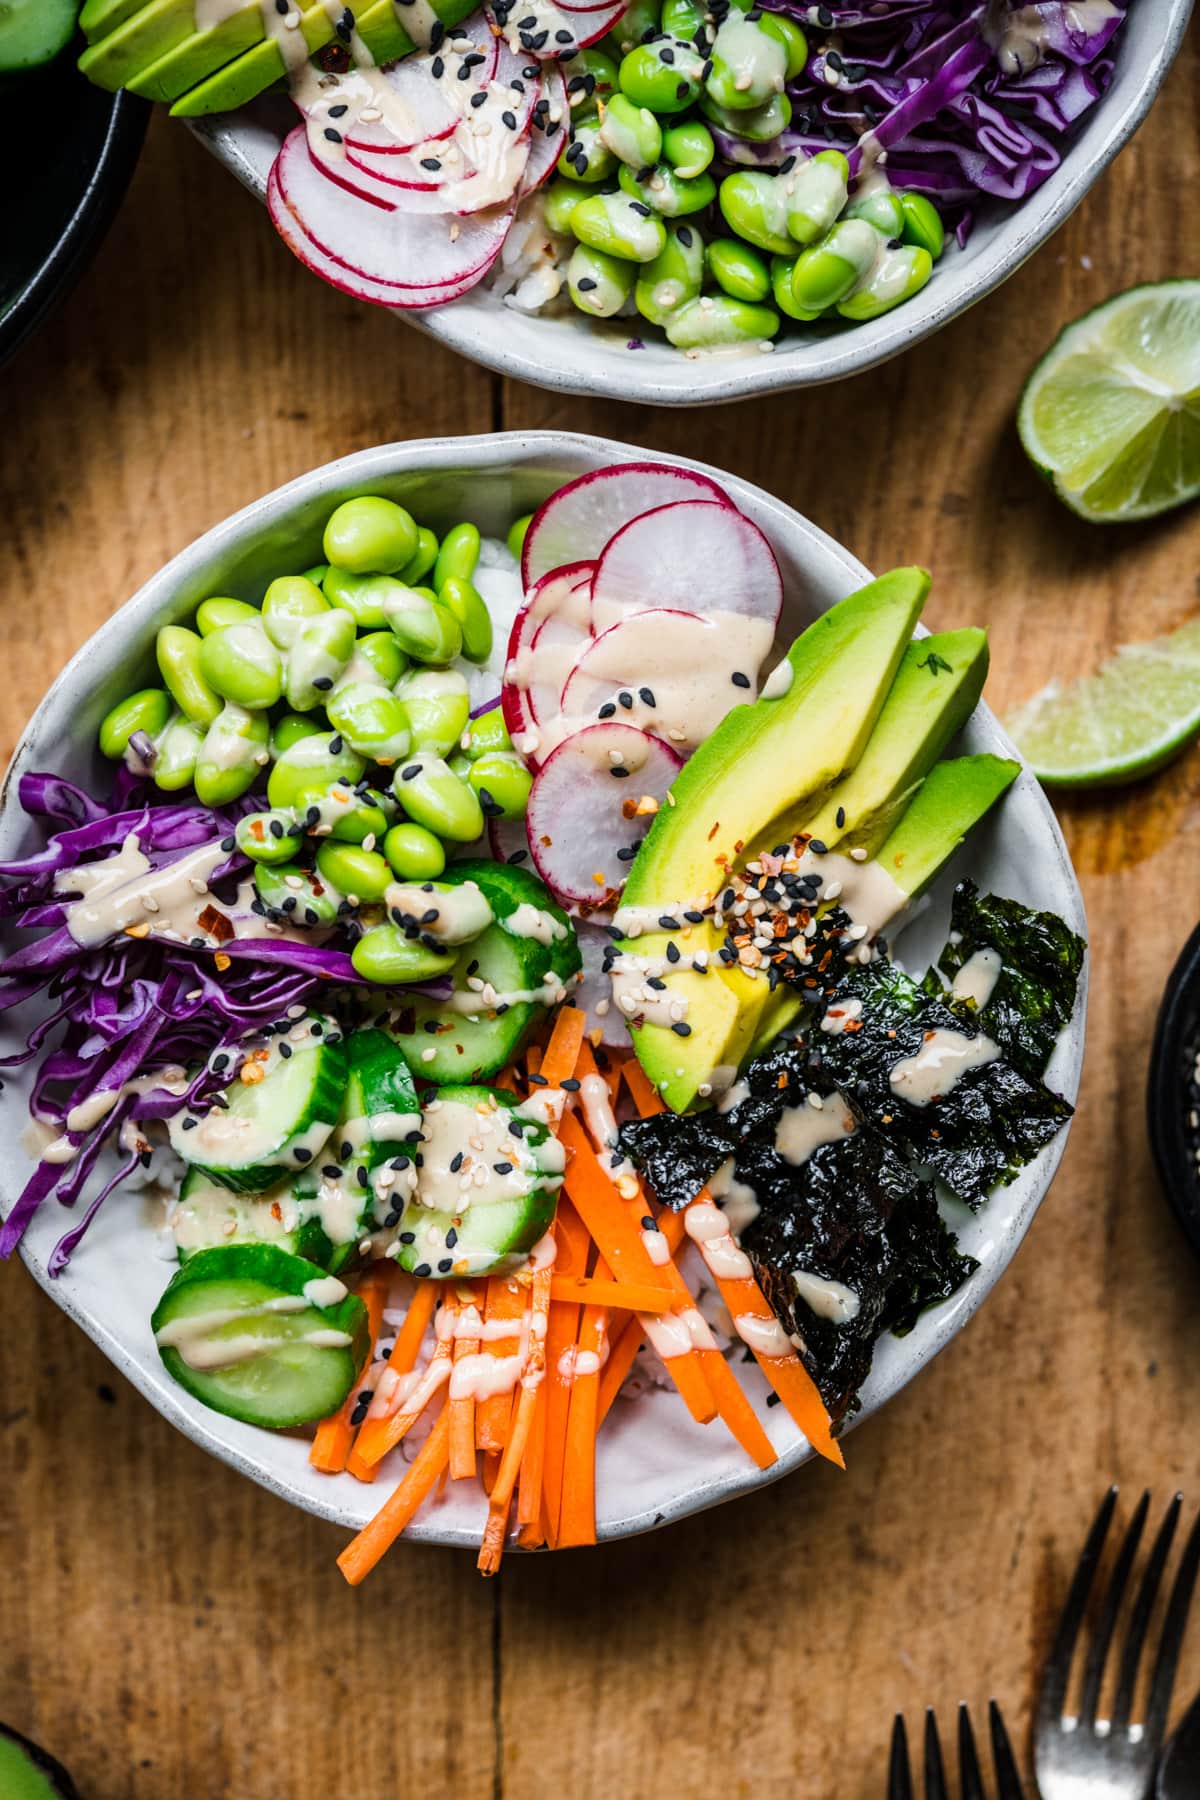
(1082, 1757)
(900, 1782)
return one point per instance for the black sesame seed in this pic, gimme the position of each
(427, 162)
(190, 1124)
(740, 680)
(839, 817)
(608, 709)
(817, 847)
(680, 1029)
(456, 1162)
(627, 853)
(408, 1237)
(437, 68)
(445, 1266)
(538, 1081)
(331, 1172)
(618, 773)
(667, 922)
(335, 137)
(570, 1085)
(585, 285)
(301, 1154)
(285, 1050)
(646, 695)
(672, 953)
(479, 99)
(422, 1269)
(503, 1168)
(684, 234)
(682, 90)
(640, 207)
(624, 698)
(228, 844)
(509, 119)
(412, 770)
(667, 56)
(694, 918)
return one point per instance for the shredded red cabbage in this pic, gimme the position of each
(967, 100)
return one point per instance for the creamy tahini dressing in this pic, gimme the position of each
(943, 1059)
(842, 1015)
(708, 1228)
(124, 890)
(529, 921)
(453, 915)
(192, 1334)
(803, 1129)
(739, 1202)
(976, 980)
(1021, 38)
(830, 1300)
(471, 1157)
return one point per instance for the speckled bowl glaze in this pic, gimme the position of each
(576, 355)
(655, 1463)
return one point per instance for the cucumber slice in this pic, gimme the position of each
(276, 1124)
(206, 1216)
(523, 905)
(486, 1190)
(259, 1335)
(32, 32)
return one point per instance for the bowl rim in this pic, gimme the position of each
(501, 450)
(473, 325)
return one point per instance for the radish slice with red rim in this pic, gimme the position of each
(533, 684)
(557, 32)
(594, 993)
(508, 842)
(582, 820)
(700, 556)
(580, 518)
(692, 687)
(548, 133)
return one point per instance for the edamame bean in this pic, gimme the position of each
(789, 34)
(414, 853)
(738, 269)
(515, 539)
(502, 782)
(588, 73)
(619, 226)
(816, 193)
(147, 711)
(309, 765)
(425, 629)
(177, 751)
(437, 706)
(640, 20)
(357, 873)
(289, 729)
(317, 573)
(749, 66)
(362, 596)
(755, 207)
(673, 278)
(664, 76)
(631, 132)
(178, 652)
(923, 224)
(352, 816)
(458, 764)
(462, 598)
(213, 615)
(452, 915)
(385, 955)
(716, 319)
(381, 651)
(825, 274)
(898, 275)
(241, 663)
(288, 604)
(235, 748)
(299, 896)
(584, 157)
(371, 720)
(269, 837)
(561, 199)
(758, 126)
(880, 207)
(485, 733)
(458, 558)
(423, 560)
(781, 289)
(369, 534)
(689, 147)
(320, 652)
(599, 284)
(667, 192)
(432, 795)
(682, 18)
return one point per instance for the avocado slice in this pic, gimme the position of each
(952, 799)
(254, 71)
(936, 689)
(751, 770)
(102, 16)
(30, 1773)
(116, 59)
(199, 56)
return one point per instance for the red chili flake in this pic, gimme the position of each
(216, 923)
(712, 834)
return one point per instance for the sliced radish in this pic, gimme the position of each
(659, 670)
(422, 253)
(557, 32)
(594, 993)
(581, 808)
(699, 556)
(508, 841)
(421, 94)
(532, 685)
(469, 194)
(548, 133)
(581, 517)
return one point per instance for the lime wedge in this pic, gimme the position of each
(1111, 414)
(1138, 711)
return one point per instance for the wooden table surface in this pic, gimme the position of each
(169, 1629)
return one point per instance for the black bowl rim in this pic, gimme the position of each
(1166, 1090)
(94, 210)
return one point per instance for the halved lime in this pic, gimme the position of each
(1111, 414)
(1139, 710)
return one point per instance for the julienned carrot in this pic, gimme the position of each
(461, 1408)
(506, 1303)
(335, 1435)
(500, 1498)
(529, 1486)
(383, 1430)
(572, 1248)
(374, 1540)
(401, 1361)
(620, 1361)
(577, 1518)
(642, 1090)
(620, 1296)
(561, 1053)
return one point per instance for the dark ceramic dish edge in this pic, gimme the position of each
(1167, 1105)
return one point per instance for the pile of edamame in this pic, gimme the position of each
(717, 262)
(339, 689)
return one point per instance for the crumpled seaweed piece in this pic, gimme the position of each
(1034, 995)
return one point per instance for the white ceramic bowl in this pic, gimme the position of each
(655, 1463)
(576, 355)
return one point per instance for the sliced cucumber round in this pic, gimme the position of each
(206, 1216)
(523, 905)
(260, 1335)
(486, 1189)
(274, 1121)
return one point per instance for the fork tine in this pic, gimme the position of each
(1097, 1656)
(1008, 1782)
(935, 1774)
(899, 1776)
(1058, 1664)
(1139, 1621)
(1172, 1638)
(969, 1774)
